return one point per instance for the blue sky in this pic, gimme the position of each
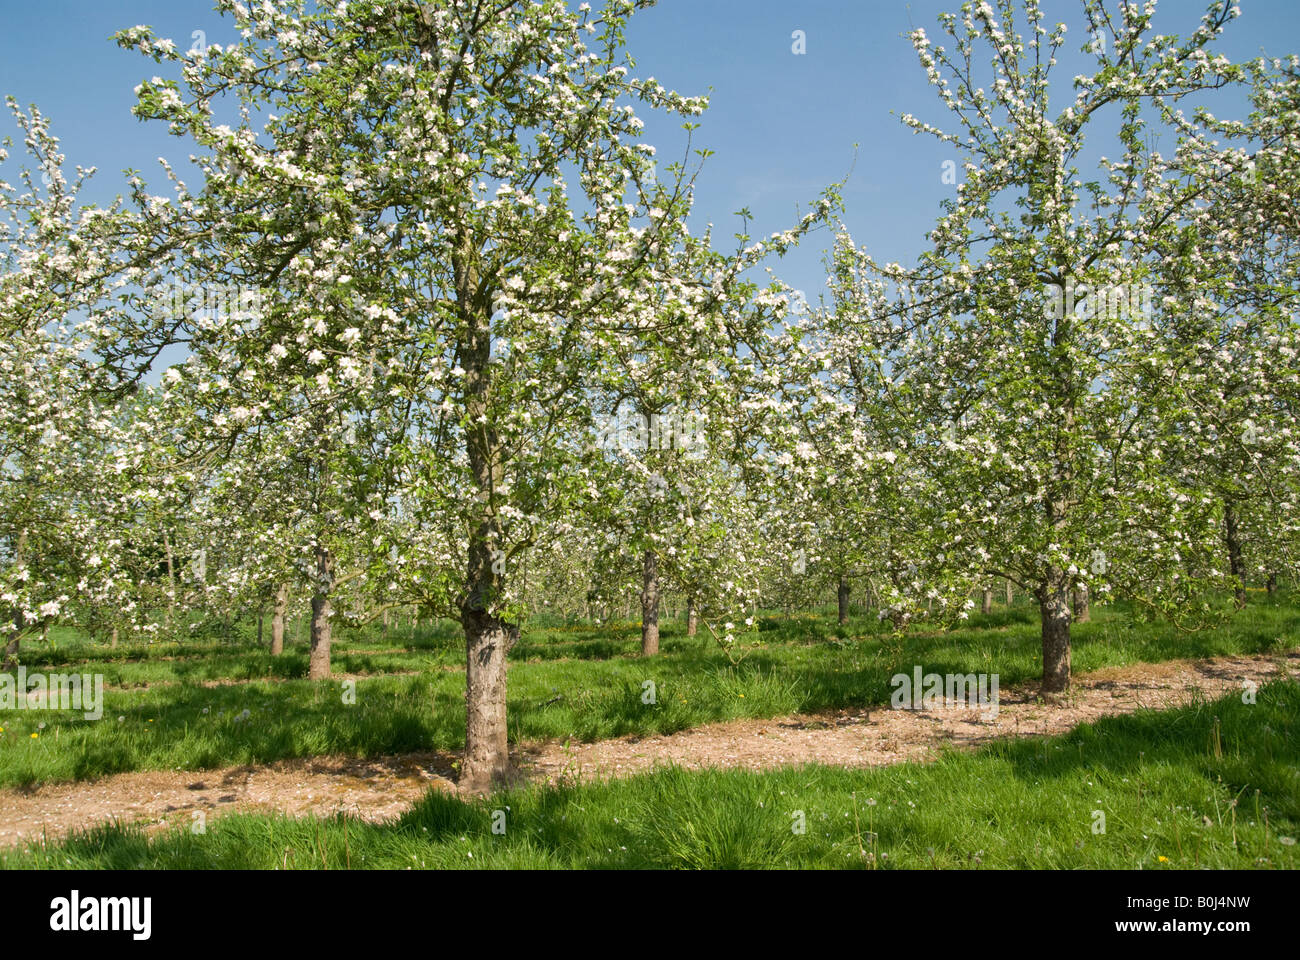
(782, 125)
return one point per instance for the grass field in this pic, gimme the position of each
(202, 704)
(1212, 785)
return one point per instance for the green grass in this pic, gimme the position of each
(580, 682)
(1180, 789)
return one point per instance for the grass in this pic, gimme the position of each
(1212, 785)
(580, 682)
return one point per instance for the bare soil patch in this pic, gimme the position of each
(861, 738)
(375, 789)
(382, 788)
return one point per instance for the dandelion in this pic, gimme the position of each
(1286, 841)
(1162, 859)
(35, 735)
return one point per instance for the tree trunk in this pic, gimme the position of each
(1053, 591)
(986, 601)
(112, 638)
(1054, 610)
(1010, 593)
(650, 605)
(842, 596)
(318, 663)
(488, 638)
(1082, 609)
(11, 648)
(692, 617)
(1235, 564)
(1271, 584)
(278, 614)
(487, 754)
(171, 579)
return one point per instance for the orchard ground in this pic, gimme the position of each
(359, 770)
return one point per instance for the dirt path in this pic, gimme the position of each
(381, 788)
(858, 738)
